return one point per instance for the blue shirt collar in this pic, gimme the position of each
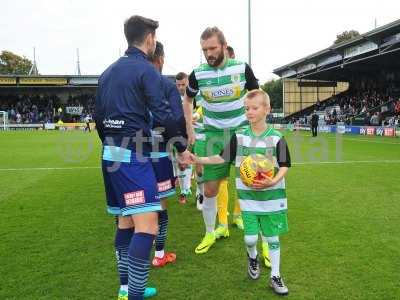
(135, 51)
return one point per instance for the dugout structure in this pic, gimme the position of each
(373, 58)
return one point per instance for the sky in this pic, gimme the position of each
(282, 31)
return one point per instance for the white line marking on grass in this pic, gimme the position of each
(48, 169)
(347, 162)
(364, 140)
(294, 163)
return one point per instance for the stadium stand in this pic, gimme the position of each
(47, 98)
(34, 108)
(370, 65)
(350, 106)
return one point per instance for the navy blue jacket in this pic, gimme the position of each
(127, 91)
(174, 100)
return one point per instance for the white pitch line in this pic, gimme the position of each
(48, 169)
(347, 162)
(294, 163)
(363, 140)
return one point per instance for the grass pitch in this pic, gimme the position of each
(57, 240)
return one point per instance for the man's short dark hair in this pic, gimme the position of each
(210, 31)
(230, 50)
(181, 75)
(136, 28)
(159, 52)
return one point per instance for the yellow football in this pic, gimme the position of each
(253, 166)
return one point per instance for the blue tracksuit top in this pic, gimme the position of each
(174, 100)
(127, 91)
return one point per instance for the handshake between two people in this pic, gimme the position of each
(187, 158)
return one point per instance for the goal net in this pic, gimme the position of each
(3, 120)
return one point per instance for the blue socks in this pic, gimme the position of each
(122, 240)
(162, 231)
(139, 264)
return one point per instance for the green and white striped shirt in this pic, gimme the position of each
(223, 91)
(198, 126)
(271, 144)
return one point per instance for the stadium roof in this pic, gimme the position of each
(379, 47)
(22, 81)
(64, 81)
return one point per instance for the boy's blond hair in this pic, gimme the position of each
(255, 93)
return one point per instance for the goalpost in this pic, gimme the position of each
(3, 120)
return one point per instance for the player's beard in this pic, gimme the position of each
(216, 61)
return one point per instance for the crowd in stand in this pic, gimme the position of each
(377, 107)
(32, 109)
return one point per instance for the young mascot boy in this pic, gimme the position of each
(264, 203)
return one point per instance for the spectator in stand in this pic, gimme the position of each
(318, 104)
(42, 108)
(375, 119)
(367, 119)
(397, 107)
(18, 118)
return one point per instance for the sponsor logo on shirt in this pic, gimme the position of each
(225, 92)
(110, 123)
(134, 198)
(164, 185)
